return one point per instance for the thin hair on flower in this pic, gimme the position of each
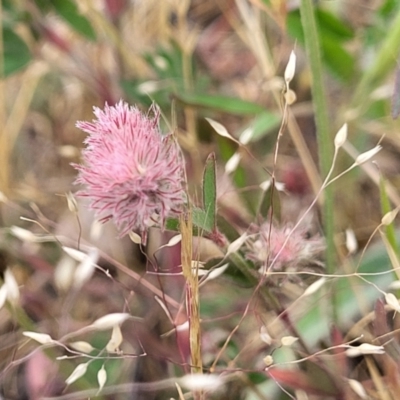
(131, 173)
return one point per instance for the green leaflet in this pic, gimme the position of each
(210, 192)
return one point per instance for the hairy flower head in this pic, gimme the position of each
(279, 247)
(131, 173)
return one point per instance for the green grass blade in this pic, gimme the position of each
(210, 191)
(325, 144)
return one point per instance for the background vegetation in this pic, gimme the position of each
(224, 60)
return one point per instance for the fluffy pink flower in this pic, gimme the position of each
(132, 174)
(276, 248)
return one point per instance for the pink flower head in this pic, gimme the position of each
(277, 248)
(132, 173)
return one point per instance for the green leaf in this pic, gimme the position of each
(16, 52)
(256, 377)
(167, 62)
(221, 103)
(210, 191)
(172, 224)
(330, 25)
(268, 198)
(8, 5)
(331, 35)
(263, 124)
(201, 220)
(325, 145)
(339, 60)
(43, 5)
(388, 7)
(382, 63)
(132, 89)
(68, 10)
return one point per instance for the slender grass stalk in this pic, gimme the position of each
(304, 153)
(192, 299)
(325, 144)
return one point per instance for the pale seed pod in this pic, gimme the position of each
(246, 136)
(101, 378)
(115, 341)
(364, 157)
(85, 269)
(215, 273)
(3, 296)
(11, 285)
(314, 287)
(351, 241)
(268, 360)
(232, 163)
(220, 129)
(392, 301)
(110, 320)
(135, 237)
(81, 346)
(23, 234)
(288, 340)
(201, 381)
(42, 338)
(389, 217)
(174, 241)
(64, 273)
(236, 244)
(358, 388)
(341, 136)
(77, 373)
(71, 202)
(363, 349)
(290, 68)
(265, 336)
